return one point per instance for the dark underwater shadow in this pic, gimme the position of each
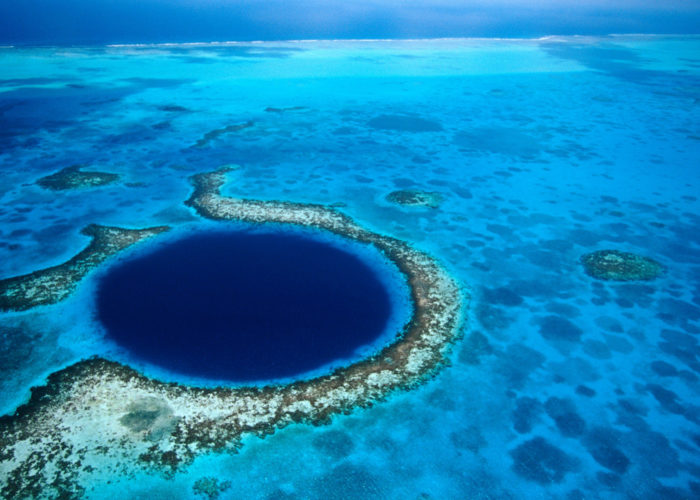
(624, 64)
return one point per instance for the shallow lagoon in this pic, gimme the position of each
(542, 151)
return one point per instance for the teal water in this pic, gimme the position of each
(542, 150)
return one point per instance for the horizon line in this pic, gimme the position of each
(355, 40)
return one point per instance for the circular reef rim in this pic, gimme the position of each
(97, 416)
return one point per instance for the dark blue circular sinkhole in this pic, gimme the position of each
(243, 306)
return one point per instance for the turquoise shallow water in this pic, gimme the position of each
(542, 151)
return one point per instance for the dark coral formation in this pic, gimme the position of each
(173, 108)
(558, 328)
(613, 265)
(415, 198)
(216, 133)
(210, 487)
(53, 284)
(102, 412)
(284, 110)
(540, 461)
(74, 178)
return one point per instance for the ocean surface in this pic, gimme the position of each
(536, 152)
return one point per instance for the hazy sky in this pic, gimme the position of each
(105, 21)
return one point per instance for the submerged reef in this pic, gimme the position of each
(102, 412)
(415, 198)
(53, 284)
(216, 133)
(74, 178)
(284, 110)
(613, 265)
(210, 487)
(173, 108)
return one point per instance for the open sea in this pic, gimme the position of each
(532, 152)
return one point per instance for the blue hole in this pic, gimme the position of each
(243, 306)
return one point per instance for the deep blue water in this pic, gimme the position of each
(243, 306)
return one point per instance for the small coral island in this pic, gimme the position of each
(98, 416)
(613, 265)
(74, 178)
(415, 198)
